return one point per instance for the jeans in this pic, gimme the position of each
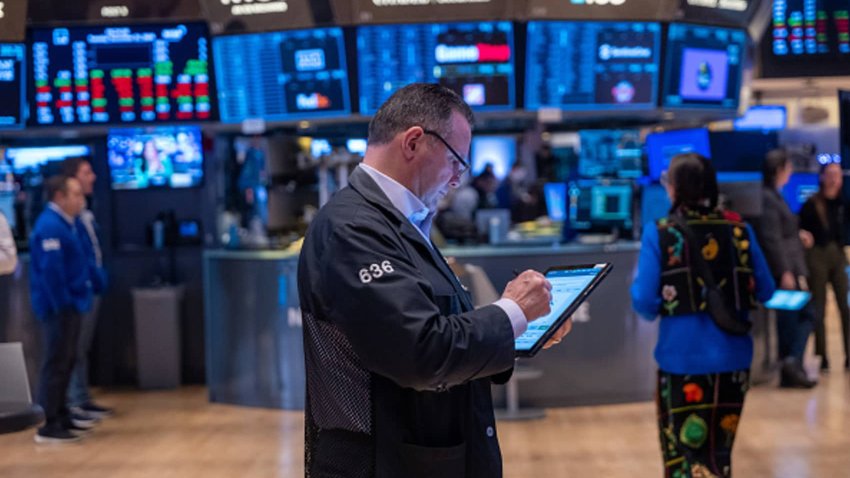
(78, 389)
(61, 335)
(793, 328)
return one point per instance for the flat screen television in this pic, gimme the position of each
(12, 86)
(610, 153)
(703, 67)
(282, 76)
(476, 60)
(499, 152)
(762, 118)
(43, 159)
(600, 205)
(120, 75)
(156, 158)
(661, 147)
(592, 65)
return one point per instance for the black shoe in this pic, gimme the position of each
(78, 431)
(55, 435)
(94, 410)
(83, 421)
(794, 376)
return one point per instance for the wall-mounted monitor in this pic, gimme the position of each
(662, 147)
(703, 67)
(120, 74)
(807, 38)
(282, 76)
(610, 153)
(763, 118)
(600, 204)
(497, 152)
(12, 86)
(43, 159)
(592, 65)
(156, 158)
(474, 59)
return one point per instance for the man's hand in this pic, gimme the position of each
(532, 293)
(787, 281)
(807, 238)
(560, 334)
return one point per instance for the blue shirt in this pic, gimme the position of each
(693, 344)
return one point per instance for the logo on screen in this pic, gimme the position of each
(310, 60)
(704, 74)
(610, 52)
(623, 92)
(474, 94)
(313, 101)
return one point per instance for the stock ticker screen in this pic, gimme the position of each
(282, 75)
(121, 74)
(474, 59)
(703, 66)
(12, 89)
(592, 65)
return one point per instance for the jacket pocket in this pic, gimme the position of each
(433, 462)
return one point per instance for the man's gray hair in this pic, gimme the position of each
(419, 104)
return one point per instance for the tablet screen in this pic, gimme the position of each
(788, 300)
(567, 286)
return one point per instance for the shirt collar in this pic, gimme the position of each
(403, 199)
(58, 210)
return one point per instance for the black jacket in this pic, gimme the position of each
(398, 363)
(778, 233)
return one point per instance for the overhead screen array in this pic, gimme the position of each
(592, 65)
(12, 86)
(121, 74)
(703, 67)
(282, 76)
(474, 59)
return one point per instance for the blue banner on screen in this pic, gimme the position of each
(703, 66)
(661, 147)
(12, 89)
(282, 76)
(159, 158)
(476, 60)
(133, 74)
(592, 65)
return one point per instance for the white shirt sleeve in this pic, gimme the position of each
(8, 251)
(518, 320)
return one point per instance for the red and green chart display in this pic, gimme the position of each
(120, 75)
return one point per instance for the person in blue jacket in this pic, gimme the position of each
(703, 373)
(61, 292)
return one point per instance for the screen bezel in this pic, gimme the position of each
(604, 269)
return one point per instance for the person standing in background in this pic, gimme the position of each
(778, 233)
(61, 292)
(8, 251)
(79, 397)
(822, 224)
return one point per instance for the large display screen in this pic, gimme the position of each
(610, 153)
(282, 75)
(662, 147)
(113, 75)
(600, 204)
(161, 157)
(592, 65)
(43, 159)
(474, 59)
(12, 88)
(703, 67)
(807, 38)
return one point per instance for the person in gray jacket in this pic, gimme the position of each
(778, 233)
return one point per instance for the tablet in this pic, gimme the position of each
(788, 300)
(571, 285)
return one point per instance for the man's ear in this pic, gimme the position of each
(411, 140)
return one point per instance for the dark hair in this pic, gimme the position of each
(55, 185)
(71, 166)
(694, 182)
(775, 161)
(418, 104)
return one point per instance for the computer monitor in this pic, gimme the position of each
(156, 158)
(37, 158)
(738, 156)
(497, 151)
(12, 86)
(610, 153)
(493, 224)
(762, 118)
(600, 205)
(662, 147)
(556, 200)
(800, 187)
(703, 68)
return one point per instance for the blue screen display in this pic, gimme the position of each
(162, 157)
(496, 151)
(703, 66)
(476, 60)
(661, 147)
(610, 153)
(600, 204)
(592, 65)
(556, 200)
(282, 76)
(12, 89)
(762, 118)
(800, 187)
(33, 159)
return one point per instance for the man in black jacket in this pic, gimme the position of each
(398, 363)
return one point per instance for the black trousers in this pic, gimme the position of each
(827, 265)
(793, 328)
(61, 335)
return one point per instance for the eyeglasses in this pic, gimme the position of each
(464, 166)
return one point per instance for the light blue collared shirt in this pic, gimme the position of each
(421, 217)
